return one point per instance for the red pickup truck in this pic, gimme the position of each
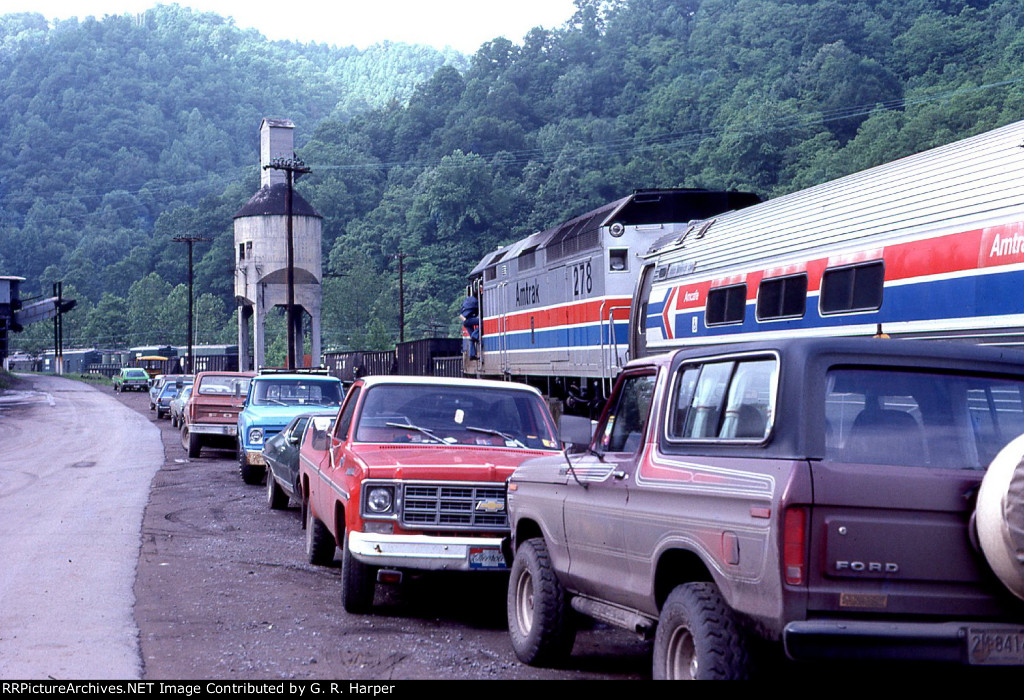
(414, 476)
(211, 415)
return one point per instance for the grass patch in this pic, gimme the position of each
(6, 379)
(97, 379)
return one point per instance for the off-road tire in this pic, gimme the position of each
(319, 541)
(699, 637)
(358, 583)
(277, 499)
(540, 621)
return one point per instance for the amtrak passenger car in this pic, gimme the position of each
(931, 245)
(555, 306)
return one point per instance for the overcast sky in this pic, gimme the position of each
(461, 24)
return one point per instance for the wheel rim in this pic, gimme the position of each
(681, 661)
(270, 488)
(309, 530)
(524, 603)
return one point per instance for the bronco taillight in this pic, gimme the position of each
(794, 545)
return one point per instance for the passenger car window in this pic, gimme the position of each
(726, 305)
(726, 400)
(782, 297)
(852, 288)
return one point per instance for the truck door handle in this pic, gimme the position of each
(619, 474)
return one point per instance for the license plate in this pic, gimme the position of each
(995, 647)
(486, 558)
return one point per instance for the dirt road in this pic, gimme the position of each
(224, 592)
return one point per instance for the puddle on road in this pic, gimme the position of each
(16, 398)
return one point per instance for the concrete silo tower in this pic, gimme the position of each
(261, 244)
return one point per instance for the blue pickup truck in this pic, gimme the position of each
(275, 397)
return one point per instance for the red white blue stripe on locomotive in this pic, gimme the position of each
(583, 325)
(966, 280)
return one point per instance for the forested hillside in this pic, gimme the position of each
(761, 95)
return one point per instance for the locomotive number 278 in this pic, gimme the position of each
(582, 279)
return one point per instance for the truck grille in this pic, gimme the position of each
(447, 505)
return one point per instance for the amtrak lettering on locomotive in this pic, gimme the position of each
(555, 306)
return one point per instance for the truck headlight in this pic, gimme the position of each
(256, 436)
(380, 500)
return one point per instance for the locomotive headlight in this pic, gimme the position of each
(256, 436)
(380, 500)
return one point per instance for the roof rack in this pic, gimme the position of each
(298, 370)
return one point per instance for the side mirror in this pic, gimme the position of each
(575, 431)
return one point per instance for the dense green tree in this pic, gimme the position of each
(118, 134)
(106, 325)
(146, 299)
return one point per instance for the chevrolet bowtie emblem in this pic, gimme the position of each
(493, 506)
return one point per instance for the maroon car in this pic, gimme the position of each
(821, 492)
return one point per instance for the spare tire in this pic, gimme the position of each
(1000, 516)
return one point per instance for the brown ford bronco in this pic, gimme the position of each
(821, 493)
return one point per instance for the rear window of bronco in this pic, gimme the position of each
(224, 386)
(920, 419)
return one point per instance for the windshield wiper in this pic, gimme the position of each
(492, 431)
(418, 429)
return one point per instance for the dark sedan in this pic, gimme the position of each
(282, 455)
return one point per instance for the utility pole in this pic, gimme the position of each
(295, 169)
(401, 296)
(190, 363)
(58, 331)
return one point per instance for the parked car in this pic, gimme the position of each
(170, 390)
(211, 414)
(131, 379)
(821, 493)
(177, 406)
(413, 477)
(281, 454)
(274, 398)
(157, 384)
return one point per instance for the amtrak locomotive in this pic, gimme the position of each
(929, 246)
(555, 306)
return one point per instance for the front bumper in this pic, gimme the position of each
(428, 553)
(255, 457)
(222, 429)
(979, 643)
